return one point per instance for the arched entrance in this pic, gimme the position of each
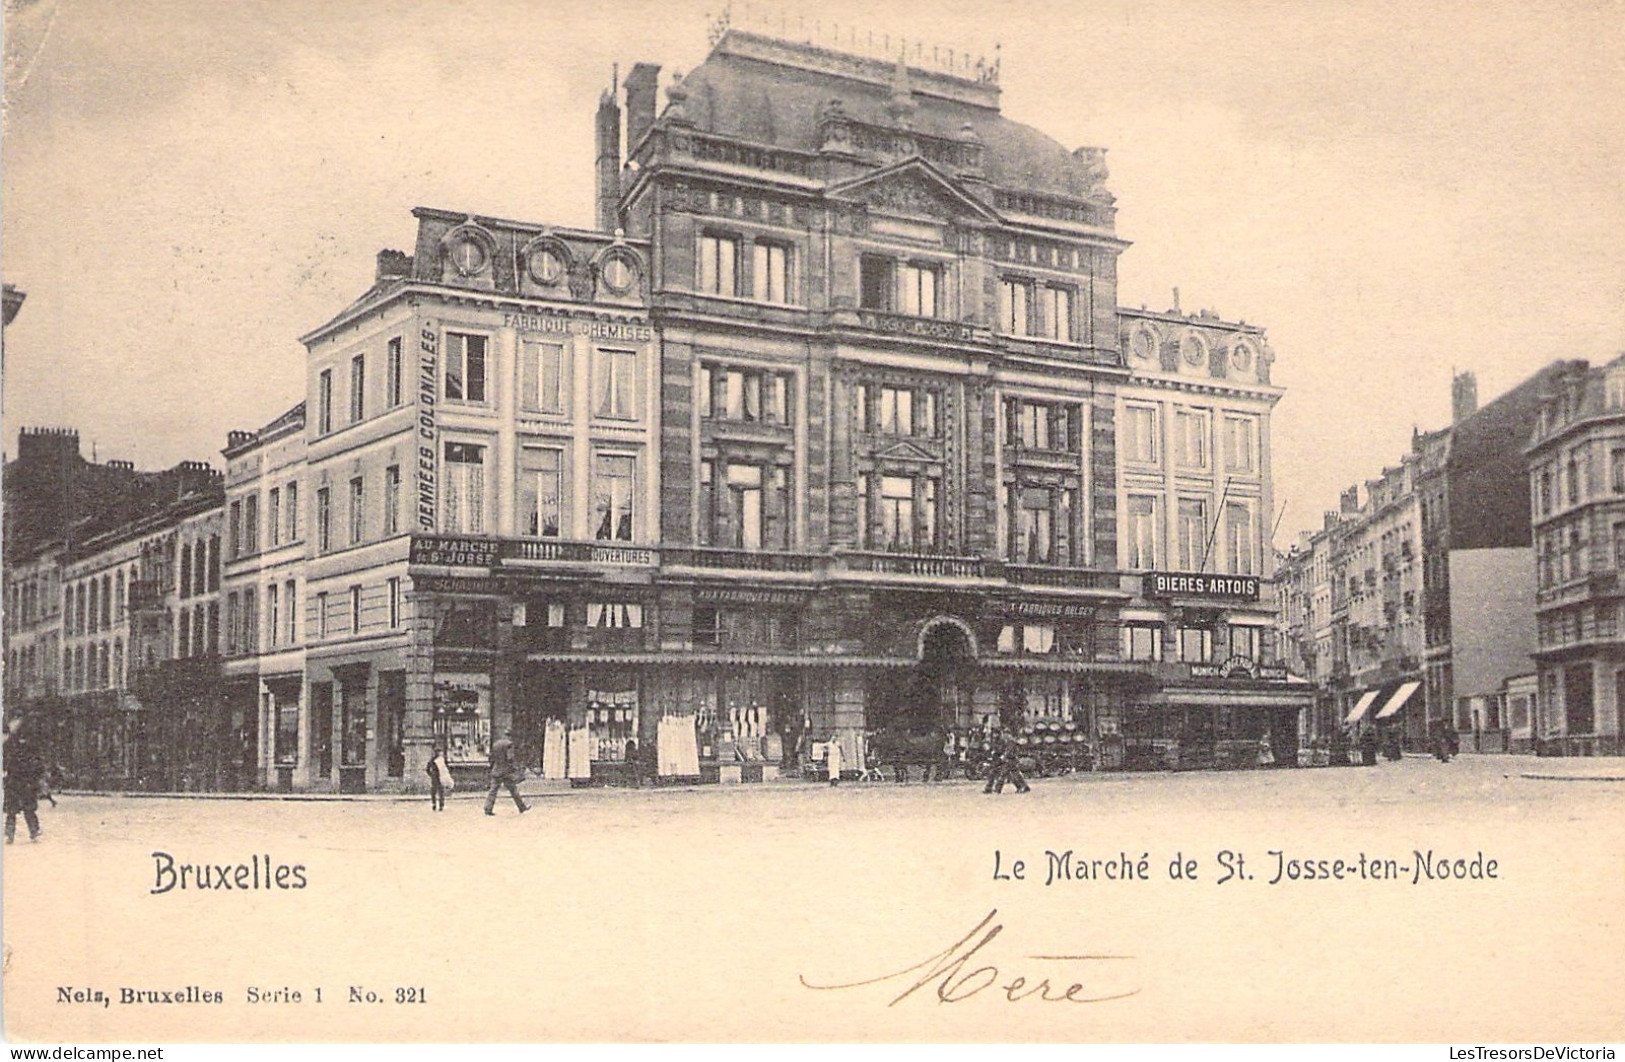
(936, 693)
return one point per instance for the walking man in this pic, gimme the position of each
(23, 772)
(439, 772)
(504, 772)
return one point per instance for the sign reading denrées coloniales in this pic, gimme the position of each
(1195, 584)
(428, 461)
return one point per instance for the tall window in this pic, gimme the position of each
(321, 614)
(1241, 449)
(357, 510)
(1192, 533)
(273, 517)
(745, 505)
(465, 367)
(324, 520)
(1058, 313)
(186, 571)
(708, 503)
(355, 609)
(1141, 437)
(1015, 306)
(1195, 645)
(290, 607)
(542, 383)
(251, 524)
(358, 388)
(1238, 522)
(394, 587)
(392, 500)
(897, 512)
(273, 617)
(615, 375)
(1191, 429)
(917, 289)
(293, 512)
(612, 497)
(1035, 527)
(251, 621)
(541, 491)
(394, 373)
(896, 411)
(1142, 532)
(1244, 642)
(772, 271)
(719, 265)
(324, 402)
(1042, 425)
(234, 528)
(875, 281)
(464, 494)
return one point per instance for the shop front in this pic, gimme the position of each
(1238, 714)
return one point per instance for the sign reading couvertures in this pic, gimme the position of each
(427, 463)
(1196, 584)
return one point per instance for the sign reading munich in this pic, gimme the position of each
(1195, 584)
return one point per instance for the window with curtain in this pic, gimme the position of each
(612, 497)
(463, 500)
(541, 491)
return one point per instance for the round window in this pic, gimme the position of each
(469, 256)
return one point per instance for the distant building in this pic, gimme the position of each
(1576, 482)
(1427, 646)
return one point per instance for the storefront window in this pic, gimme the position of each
(287, 732)
(353, 737)
(462, 708)
(1045, 697)
(612, 717)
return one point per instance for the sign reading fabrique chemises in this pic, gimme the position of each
(623, 331)
(1196, 584)
(428, 428)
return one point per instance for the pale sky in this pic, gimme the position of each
(1392, 189)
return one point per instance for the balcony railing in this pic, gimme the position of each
(925, 564)
(1071, 578)
(740, 559)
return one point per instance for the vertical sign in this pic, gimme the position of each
(427, 428)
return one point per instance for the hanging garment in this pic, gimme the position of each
(553, 751)
(579, 761)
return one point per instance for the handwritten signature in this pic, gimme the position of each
(957, 978)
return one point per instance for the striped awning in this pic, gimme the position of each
(1361, 706)
(1397, 701)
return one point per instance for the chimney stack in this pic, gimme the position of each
(608, 166)
(640, 102)
(393, 264)
(1463, 396)
(1349, 501)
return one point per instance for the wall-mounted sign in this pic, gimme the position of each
(1043, 609)
(450, 551)
(926, 327)
(1195, 584)
(428, 428)
(1240, 668)
(559, 324)
(717, 595)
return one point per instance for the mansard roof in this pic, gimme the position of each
(736, 95)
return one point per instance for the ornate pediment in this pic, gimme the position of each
(903, 450)
(912, 188)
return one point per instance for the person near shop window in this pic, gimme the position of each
(504, 772)
(440, 780)
(834, 759)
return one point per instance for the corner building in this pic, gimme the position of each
(819, 435)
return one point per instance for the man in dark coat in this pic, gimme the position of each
(504, 772)
(1005, 766)
(23, 770)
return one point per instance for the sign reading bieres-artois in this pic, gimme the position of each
(1198, 584)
